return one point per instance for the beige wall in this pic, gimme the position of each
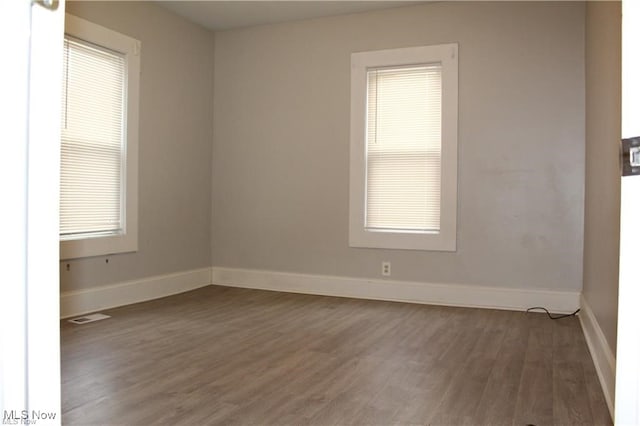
(602, 185)
(281, 144)
(176, 106)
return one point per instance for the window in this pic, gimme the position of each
(404, 118)
(99, 141)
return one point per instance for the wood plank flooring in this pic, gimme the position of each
(225, 356)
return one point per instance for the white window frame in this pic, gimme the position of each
(127, 241)
(445, 238)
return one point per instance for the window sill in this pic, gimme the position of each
(428, 241)
(98, 246)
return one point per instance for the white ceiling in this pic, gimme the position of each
(223, 15)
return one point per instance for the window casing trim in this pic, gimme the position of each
(359, 235)
(127, 240)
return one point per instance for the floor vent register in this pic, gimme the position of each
(89, 318)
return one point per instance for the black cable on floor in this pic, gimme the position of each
(557, 316)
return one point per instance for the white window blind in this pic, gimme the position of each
(403, 148)
(92, 158)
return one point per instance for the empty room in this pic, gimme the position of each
(364, 213)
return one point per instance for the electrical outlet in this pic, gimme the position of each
(386, 268)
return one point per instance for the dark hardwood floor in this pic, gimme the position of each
(229, 356)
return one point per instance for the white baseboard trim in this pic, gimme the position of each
(399, 291)
(601, 353)
(74, 303)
